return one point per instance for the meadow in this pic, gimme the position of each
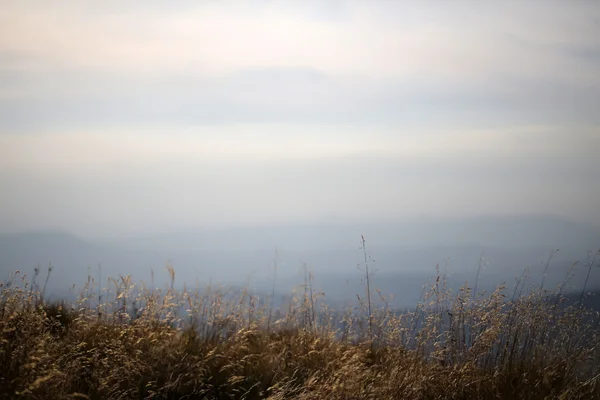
(131, 340)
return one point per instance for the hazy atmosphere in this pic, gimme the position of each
(209, 134)
(296, 199)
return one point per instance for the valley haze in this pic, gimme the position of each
(213, 135)
(403, 256)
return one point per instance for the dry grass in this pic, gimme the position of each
(134, 342)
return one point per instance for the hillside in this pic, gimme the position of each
(137, 342)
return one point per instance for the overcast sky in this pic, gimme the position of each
(121, 117)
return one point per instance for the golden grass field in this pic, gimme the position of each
(130, 341)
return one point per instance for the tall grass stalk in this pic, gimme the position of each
(552, 253)
(368, 285)
(217, 343)
(591, 262)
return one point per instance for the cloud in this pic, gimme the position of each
(96, 152)
(129, 192)
(459, 42)
(71, 100)
(120, 64)
(135, 114)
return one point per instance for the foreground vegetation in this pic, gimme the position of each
(129, 341)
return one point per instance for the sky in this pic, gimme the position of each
(123, 117)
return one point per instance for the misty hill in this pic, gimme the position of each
(403, 256)
(499, 231)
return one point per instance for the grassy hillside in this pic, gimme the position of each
(129, 341)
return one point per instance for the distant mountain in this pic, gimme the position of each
(497, 231)
(403, 255)
(591, 300)
(72, 259)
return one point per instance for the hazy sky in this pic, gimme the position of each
(120, 117)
